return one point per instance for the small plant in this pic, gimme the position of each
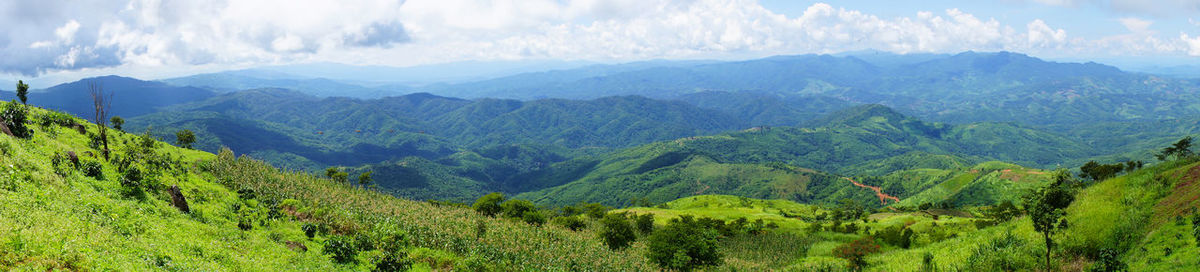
(393, 262)
(310, 229)
(342, 249)
(1109, 261)
(92, 169)
(480, 228)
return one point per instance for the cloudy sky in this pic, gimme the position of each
(51, 41)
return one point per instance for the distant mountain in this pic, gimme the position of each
(844, 143)
(130, 97)
(960, 88)
(454, 72)
(231, 81)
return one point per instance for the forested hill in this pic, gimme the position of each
(130, 97)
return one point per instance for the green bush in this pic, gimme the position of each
(489, 204)
(342, 249)
(683, 245)
(645, 223)
(534, 217)
(92, 169)
(393, 262)
(856, 252)
(516, 208)
(14, 116)
(572, 223)
(617, 232)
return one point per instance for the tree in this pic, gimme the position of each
(23, 91)
(489, 204)
(1180, 149)
(101, 103)
(645, 223)
(516, 208)
(617, 232)
(365, 178)
(1047, 207)
(329, 172)
(185, 138)
(117, 122)
(856, 252)
(684, 244)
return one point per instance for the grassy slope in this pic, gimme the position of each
(50, 221)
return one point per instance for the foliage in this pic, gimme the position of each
(489, 204)
(616, 232)
(365, 178)
(572, 223)
(23, 91)
(15, 117)
(517, 208)
(855, 252)
(341, 248)
(185, 138)
(1180, 149)
(684, 244)
(117, 122)
(644, 223)
(1047, 207)
(1097, 171)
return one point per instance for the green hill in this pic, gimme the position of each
(244, 215)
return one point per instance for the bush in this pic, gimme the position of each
(534, 217)
(310, 229)
(14, 116)
(489, 204)
(393, 262)
(683, 245)
(570, 222)
(645, 223)
(617, 232)
(856, 252)
(516, 208)
(92, 169)
(341, 248)
(595, 210)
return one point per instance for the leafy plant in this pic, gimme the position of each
(616, 232)
(856, 252)
(684, 245)
(341, 248)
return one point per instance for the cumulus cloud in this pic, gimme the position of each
(70, 35)
(64, 35)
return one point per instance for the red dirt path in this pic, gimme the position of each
(878, 192)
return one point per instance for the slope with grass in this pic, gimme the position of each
(244, 215)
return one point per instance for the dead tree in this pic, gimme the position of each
(102, 102)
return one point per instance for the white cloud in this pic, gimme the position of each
(1193, 44)
(152, 33)
(1136, 25)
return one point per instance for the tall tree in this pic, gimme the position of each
(365, 178)
(22, 91)
(1047, 207)
(101, 102)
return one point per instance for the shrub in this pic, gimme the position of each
(617, 233)
(92, 169)
(14, 116)
(570, 222)
(310, 229)
(1108, 261)
(489, 204)
(534, 217)
(341, 248)
(595, 210)
(683, 245)
(393, 262)
(645, 223)
(516, 208)
(856, 252)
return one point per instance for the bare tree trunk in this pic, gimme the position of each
(101, 104)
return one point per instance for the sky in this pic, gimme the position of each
(53, 41)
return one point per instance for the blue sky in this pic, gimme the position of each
(50, 41)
